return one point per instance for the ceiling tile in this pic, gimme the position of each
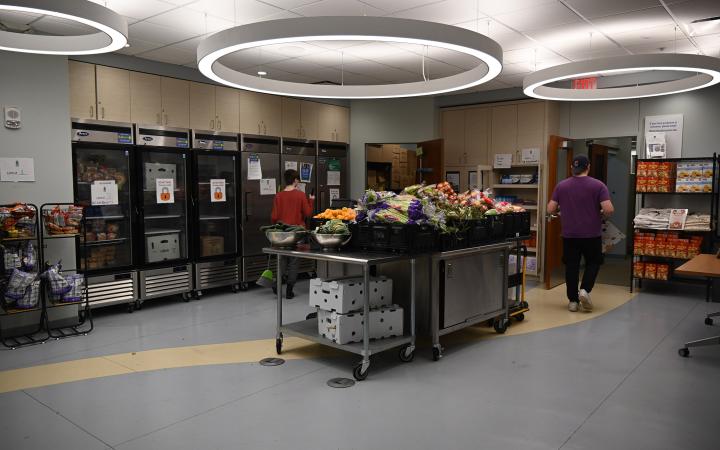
(242, 11)
(139, 9)
(516, 68)
(151, 32)
(398, 5)
(594, 8)
(354, 78)
(512, 80)
(280, 15)
(338, 45)
(17, 20)
(191, 21)
(687, 11)
(448, 12)
(370, 50)
(680, 46)
(339, 8)
(495, 7)
(454, 58)
(294, 65)
(622, 23)
(61, 27)
(249, 58)
(438, 69)
(581, 55)
(507, 38)
(572, 38)
(170, 55)
(531, 55)
(330, 58)
(325, 74)
(708, 41)
(294, 50)
(139, 46)
(647, 36)
(289, 4)
(538, 17)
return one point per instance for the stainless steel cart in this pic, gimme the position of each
(307, 329)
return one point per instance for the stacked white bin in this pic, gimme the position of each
(340, 309)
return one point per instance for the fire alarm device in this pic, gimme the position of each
(12, 117)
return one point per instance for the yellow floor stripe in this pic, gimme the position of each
(548, 309)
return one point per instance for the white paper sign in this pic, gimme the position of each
(530, 155)
(291, 165)
(333, 178)
(217, 190)
(655, 145)
(503, 161)
(254, 168)
(672, 126)
(17, 169)
(165, 190)
(334, 193)
(306, 172)
(268, 186)
(677, 219)
(103, 192)
(301, 187)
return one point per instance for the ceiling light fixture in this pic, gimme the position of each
(112, 30)
(382, 29)
(707, 70)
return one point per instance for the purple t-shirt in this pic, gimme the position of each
(579, 199)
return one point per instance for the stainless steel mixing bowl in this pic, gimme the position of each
(285, 239)
(331, 241)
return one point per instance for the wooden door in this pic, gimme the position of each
(503, 130)
(175, 102)
(453, 132)
(432, 162)
(342, 120)
(227, 109)
(598, 156)
(327, 122)
(309, 120)
(291, 118)
(559, 160)
(113, 94)
(477, 134)
(202, 106)
(145, 99)
(83, 102)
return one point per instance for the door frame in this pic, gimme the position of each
(553, 240)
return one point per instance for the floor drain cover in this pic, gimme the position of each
(340, 382)
(272, 361)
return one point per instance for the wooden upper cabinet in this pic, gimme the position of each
(113, 94)
(83, 103)
(531, 118)
(260, 113)
(333, 123)
(477, 136)
(342, 133)
(291, 118)
(453, 131)
(308, 120)
(202, 106)
(504, 128)
(145, 99)
(175, 102)
(227, 109)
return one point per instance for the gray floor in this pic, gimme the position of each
(613, 382)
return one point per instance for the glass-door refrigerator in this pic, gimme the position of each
(163, 201)
(215, 206)
(260, 178)
(102, 155)
(332, 173)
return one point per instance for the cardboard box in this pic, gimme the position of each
(345, 328)
(153, 171)
(212, 245)
(344, 295)
(374, 154)
(163, 247)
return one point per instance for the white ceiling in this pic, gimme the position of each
(533, 33)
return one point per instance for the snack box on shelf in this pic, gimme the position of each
(385, 322)
(344, 295)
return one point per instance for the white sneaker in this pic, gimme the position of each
(573, 306)
(585, 300)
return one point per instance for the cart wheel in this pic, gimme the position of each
(243, 286)
(235, 288)
(198, 294)
(436, 354)
(708, 321)
(501, 325)
(524, 304)
(186, 297)
(407, 353)
(138, 305)
(684, 352)
(278, 346)
(312, 315)
(520, 317)
(358, 374)
(131, 308)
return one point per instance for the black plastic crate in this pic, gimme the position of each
(453, 241)
(411, 238)
(362, 235)
(478, 232)
(496, 225)
(516, 224)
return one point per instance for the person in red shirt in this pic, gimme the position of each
(291, 207)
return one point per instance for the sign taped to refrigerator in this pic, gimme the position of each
(306, 172)
(165, 190)
(333, 178)
(291, 165)
(254, 168)
(268, 186)
(334, 194)
(103, 193)
(217, 190)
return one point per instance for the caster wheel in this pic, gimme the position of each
(436, 354)
(312, 315)
(198, 294)
(235, 289)
(708, 321)
(131, 308)
(501, 325)
(186, 297)
(358, 374)
(278, 346)
(243, 286)
(520, 317)
(138, 305)
(684, 352)
(406, 354)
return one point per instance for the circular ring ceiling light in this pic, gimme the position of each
(705, 68)
(382, 29)
(112, 28)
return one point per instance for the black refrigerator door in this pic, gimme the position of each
(103, 186)
(216, 205)
(332, 175)
(257, 203)
(164, 205)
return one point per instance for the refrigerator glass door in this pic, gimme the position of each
(216, 204)
(256, 203)
(332, 179)
(102, 186)
(164, 205)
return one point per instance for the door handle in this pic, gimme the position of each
(219, 124)
(246, 205)
(103, 112)
(449, 270)
(166, 119)
(550, 217)
(157, 121)
(264, 128)
(92, 111)
(212, 124)
(259, 132)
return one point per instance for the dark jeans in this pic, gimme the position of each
(290, 270)
(573, 250)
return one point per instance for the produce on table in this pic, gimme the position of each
(18, 221)
(63, 221)
(334, 226)
(282, 228)
(342, 214)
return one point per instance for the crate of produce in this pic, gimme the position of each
(361, 235)
(496, 225)
(385, 322)
(478, 232)
(516, 224)
(408, 238)
(453, 240)
(344, 295)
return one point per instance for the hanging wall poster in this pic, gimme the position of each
(305, 172)
(17, 169)
(103, 192)
(254, 168)
(672, 126)
(217, 190)
(268, 186)
(165, 190)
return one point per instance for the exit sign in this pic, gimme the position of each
(585, 83)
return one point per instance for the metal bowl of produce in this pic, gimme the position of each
(331, 241)
(284, 239)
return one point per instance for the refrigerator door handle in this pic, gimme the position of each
(322, 200)
(246, 205)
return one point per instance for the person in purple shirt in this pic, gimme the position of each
(582, 202)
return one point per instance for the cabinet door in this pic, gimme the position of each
(227, 109)
(503, 135)
(309, 120)
(250, 113)
(327, 122)
(453, 131)
(291, 118)
(145, 99)
(175, 102)
(342, 132)
(83, 103)
(271, 114)
(113, 94)
(202, 106)
(477, 136)
(531, 118)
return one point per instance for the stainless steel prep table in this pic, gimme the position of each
(308, 329)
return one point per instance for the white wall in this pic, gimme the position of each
(386, 121)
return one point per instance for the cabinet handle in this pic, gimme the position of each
(158, 119)
(259, 132)
(264, 128)
(92, 111)
(166, 119)
(219, 124)
(212, 124)
(103, 112)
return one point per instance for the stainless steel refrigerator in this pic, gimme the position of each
(214, 237)
(163, 205)
(332, 173)
(260, 178)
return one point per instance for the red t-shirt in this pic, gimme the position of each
(291, 208)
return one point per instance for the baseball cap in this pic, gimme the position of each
(580, 163)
